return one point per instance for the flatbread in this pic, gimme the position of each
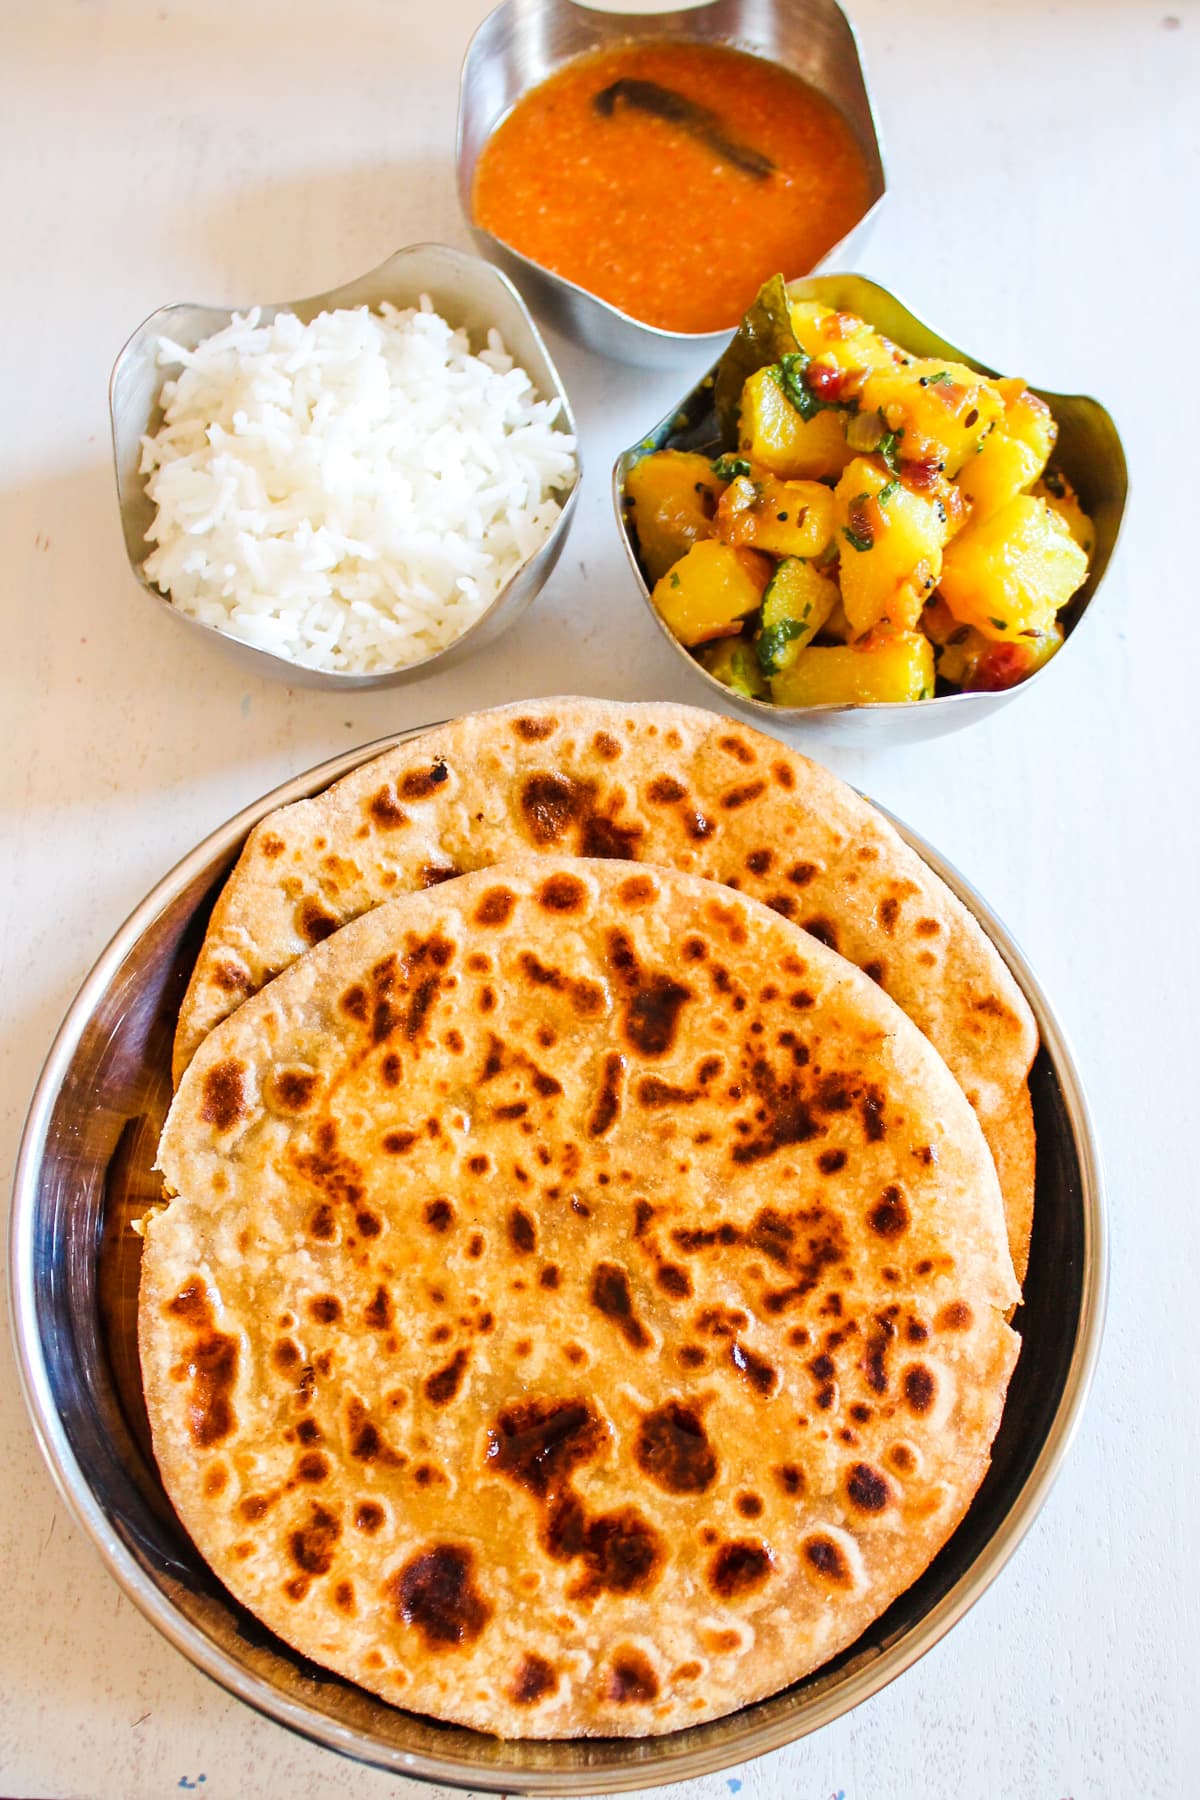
(665, 784)
(582, 1309)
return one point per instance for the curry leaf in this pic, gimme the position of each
(764, 336)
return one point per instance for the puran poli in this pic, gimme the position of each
(582, 1306)
(659, 783)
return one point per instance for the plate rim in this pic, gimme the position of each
(661, 1768)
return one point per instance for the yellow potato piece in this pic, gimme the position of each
(837, 625)
(1013, 455)
(673, 497)
(1062, 499)
(784, 518)
(979, 664)
(841, 338)
(942, 408)
(710, 590)
(1010, 574)
(898, 666)
(800, 599)
(777, 439)
(732, 661)
(891, 548)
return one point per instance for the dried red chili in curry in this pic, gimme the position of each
(672, 179)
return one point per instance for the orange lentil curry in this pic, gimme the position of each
(672, 179)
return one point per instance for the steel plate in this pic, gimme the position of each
(86, 1165)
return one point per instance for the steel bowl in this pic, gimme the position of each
(467, 292)
(1089, 453)
(523, 41)
(86, 1166)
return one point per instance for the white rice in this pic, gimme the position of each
(350, 494)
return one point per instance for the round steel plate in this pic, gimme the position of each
(86, 1166)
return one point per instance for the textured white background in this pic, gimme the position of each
(1044, 165)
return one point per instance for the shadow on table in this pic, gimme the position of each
(297, 235)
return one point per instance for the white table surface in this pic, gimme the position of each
(1044, 164)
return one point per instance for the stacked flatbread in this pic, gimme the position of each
(582, 1308)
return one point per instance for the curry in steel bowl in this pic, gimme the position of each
(669, 178)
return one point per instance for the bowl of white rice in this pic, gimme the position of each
(348, 489)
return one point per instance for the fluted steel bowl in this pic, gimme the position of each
(467, 292)
(86, 1166)
(1089, 453)
(523, 41)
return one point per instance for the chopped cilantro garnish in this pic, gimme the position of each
(727, 468)
(771, 642)
(789, 373)
(886, 491)
(943, 375)
(1000, 624)
(674, 579)
(887, 447)
(857, 542)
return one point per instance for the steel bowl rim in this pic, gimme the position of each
(151, 1600)
(689, 340)
(472, 266)
(768, 709)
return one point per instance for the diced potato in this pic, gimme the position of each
(939, 623)
(867, 434)
(673, 495)
(795, 606)
(978, 664)
(732, 660)
(1062, 499)
(1013, 455)
(891, 547)
(776, 438)
(710, 591)
(950, 503)
(837, 625)
(1004, 665)
(784, 518)
(959, 652)
(840, 338)
(885, 667)
(942, 408)
(1009, 575)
